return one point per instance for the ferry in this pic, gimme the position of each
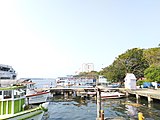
(14, 107)
(7, 72)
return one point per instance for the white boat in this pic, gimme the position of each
(7, 72)
(14, 107)
(33, 95)
(112, 94)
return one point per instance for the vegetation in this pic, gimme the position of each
(141, 62)
(92, 74)
(132, 61)
(153, 73)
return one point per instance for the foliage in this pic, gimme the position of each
(153, 73)
(131, 61)
(140, 82)
(141, 62)
(92, 74)
(152, 56)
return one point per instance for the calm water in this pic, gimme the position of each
(62, 108)
(73, 108)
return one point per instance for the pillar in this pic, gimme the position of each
(127, 94)
(98, 103)
(137, 96)
(150, 99)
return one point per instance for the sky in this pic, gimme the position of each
(54, 38)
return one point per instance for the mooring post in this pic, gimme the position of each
(150, 99)
(137, 96)
(98, 103)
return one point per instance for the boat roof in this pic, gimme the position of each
(2, 65)
(12, 87)
(28, 82)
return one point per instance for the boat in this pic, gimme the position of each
(112, 94)
(35, 96)
(7, 72)
(14, 107)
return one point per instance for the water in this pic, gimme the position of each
(74, 108)
(44, 82)
(62, 108)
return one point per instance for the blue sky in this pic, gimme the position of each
(51, 38)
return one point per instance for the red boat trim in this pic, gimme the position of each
(38, 93)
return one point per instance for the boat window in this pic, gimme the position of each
(7, 94)
(16, 94)
(4, 69)
(1, 97)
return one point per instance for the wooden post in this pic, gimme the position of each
(149, 99)
(127, 94)
(98, 103)
(137, 96)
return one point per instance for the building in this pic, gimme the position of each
(87, 67)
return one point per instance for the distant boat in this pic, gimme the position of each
(7, 72)
(112, 94)
(114, 85)
(14, 107)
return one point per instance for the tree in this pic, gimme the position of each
(153, 73)
(152, 56)
(132, 61)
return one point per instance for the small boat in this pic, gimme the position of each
(112, 94)
(91, 93)
(14, 107)
(34, 96)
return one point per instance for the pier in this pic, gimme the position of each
(150, 94)
(82, 92)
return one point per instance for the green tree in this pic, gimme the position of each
(152, 56)
(152, 73)
(132, 61)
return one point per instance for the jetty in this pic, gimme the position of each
(148, 93)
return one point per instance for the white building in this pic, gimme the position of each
(102, 81)
(130, 81)
(87, 67)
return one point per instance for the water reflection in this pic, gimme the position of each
(76, 108)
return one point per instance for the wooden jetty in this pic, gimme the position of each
(82, 92)
(150, 94)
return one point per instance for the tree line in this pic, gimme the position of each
(143, 63)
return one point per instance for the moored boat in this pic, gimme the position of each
(14, 107)
(112, 94)
(34, 96)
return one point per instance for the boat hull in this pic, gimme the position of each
(37, 98)
(36, 115)
(112, 95)
(31, 114)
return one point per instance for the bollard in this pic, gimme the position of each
(140, 116)
(102, 114)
